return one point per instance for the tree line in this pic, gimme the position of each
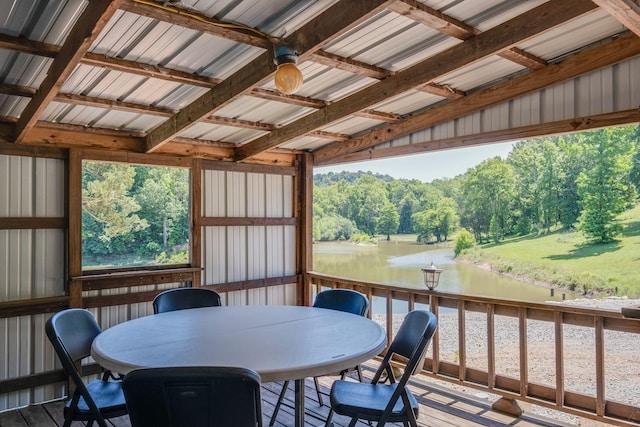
(134, 214)
(582, 181)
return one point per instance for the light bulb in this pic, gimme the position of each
(288, 78)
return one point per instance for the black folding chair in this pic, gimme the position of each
(183, 298)
(71, 333)
(345, 300)
(193, 397)
(388, 402)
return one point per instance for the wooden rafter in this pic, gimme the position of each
(114, 104)
(454, 28)
(196, 21)
(148, 70)
(618, 50)
(488, 43)
(339, 18)
(77, 43)
(350, 65)
(442, 90)
(503, 135)
(166, 112)
(625, 11)
(48, 50)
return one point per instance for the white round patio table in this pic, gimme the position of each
(278, 342)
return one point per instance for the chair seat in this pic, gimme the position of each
(367, 401)
(108, 396)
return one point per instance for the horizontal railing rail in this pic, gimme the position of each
(526, 335)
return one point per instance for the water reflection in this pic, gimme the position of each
(399, 264)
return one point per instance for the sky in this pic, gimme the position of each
(429, 166)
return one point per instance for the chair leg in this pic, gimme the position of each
(359, 369)
(328, 423)
(353, 422)
(317, 384)
(280, 399)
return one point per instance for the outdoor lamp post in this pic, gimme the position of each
(431, 276)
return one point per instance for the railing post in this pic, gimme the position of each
(491, 347)
(600, 397)
(559, 344)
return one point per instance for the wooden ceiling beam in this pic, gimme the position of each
(300, 101)
(244, 124)
(444, 91)
(84, 32)
(131, 107)
(47, 50)
(618, 50)
(379, 115)
(617, 118)
(74, 136)
(339, 18)
(147, 70)
(627, 12)
(32, 47)
(17, 90)
(458, 29)
(350, 65)
(491, 42)
(329, 135)
(197, 21)
(432, 18)
(523, 58)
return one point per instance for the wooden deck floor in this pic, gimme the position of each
(439, 408)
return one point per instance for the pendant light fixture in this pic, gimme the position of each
(288, 78)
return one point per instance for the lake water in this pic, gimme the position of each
(399, 263)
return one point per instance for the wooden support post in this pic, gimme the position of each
(303, 207)
(74, 209)
(196, 221)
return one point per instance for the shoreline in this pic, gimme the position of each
(487, 266)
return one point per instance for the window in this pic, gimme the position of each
(134, 215)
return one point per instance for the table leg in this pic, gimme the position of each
(299, 403)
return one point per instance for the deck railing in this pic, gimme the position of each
(578, 360)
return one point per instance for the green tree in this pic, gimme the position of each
(106, 199)
(464, 240)
(164, 199)
(525, 159)
(576, 157)
(424, 223)
(367, 197)
(489, 190)
(447, 218)
(389, 220)
(551, 176)
(333, 228)
(408, 207)
(437, 222)
(604, 189)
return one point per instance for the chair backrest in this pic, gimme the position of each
(193, 397)
(410, 342)
(342, 300)
(183, 298)
(71, 333)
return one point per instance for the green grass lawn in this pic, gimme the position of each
(564, 259)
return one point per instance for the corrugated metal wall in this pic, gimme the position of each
(611, 89)
(236, 253)
(32, 264)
